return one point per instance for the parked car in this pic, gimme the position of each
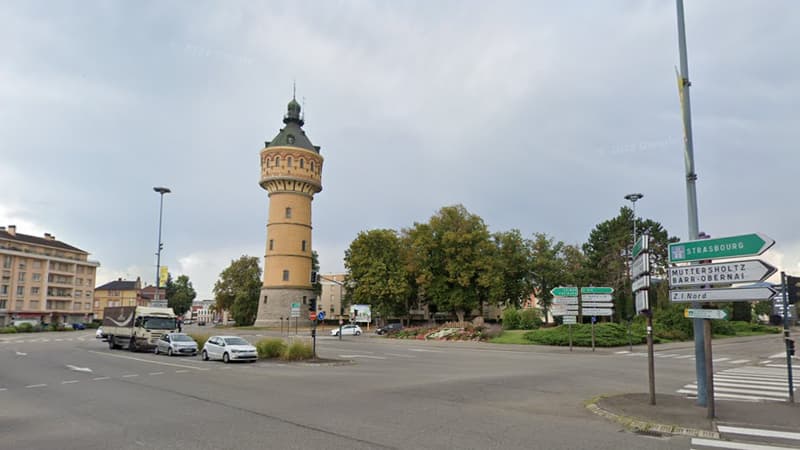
(201, 323)
(78, 326)
(176, 344)
(347, 330)
(229, 348)
(389, 328)
(99, 333)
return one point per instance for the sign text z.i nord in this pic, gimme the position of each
(726, 247)
(752, 294)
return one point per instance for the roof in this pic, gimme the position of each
(36, 240)
(118, 285)
(292, 134)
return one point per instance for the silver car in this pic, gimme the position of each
(229, 348)
(176, 344)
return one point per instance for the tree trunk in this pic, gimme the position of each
(460, 314)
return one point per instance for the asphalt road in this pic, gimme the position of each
(69, 391)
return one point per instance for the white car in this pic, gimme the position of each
(347, 330)
(228, 348)
(99, 333)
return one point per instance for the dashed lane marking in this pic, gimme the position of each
(130, 375)
(622, 352)
(101, 378)
(777, 355)
(147, 360)
(70, 381)
(156, 373)
(31, 386)
(740, 361)
(720, 359)
(362, 356)
(181, 371)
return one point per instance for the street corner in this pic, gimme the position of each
(672, 414)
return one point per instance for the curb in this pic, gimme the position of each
(638, 425)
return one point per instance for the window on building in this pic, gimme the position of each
(3, 304)
(35, 290)
(20, 290)
(76, 306)
(288, 213)
(302, 163)
(34, 304)
(37, 264)
(88, 294)
(4, 289)
(312, 166)
(272, 244)
(19, 305)
(6, 262)
(265, 299)
(96, 304)
(22, 265)
(21, 276)
(87, 306)
(285, 275)
(78, 281)
(277, 161)
(78, 293)
(289, 162)
(36, 277)
(303, 246)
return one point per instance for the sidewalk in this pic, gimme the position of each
(673, 414)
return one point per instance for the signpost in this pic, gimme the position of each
(642, 301)
(295, 312)
(564, 292)
(714, 314)
(565, 304)
(752, 244)
(743, 294)
(596, 301)
(596, 290)
(640, 283)
(751, 270)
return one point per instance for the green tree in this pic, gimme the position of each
(182, 296)
(453, 252)
(238, 289)
(547, 267)
(509, 278)
(376, 272)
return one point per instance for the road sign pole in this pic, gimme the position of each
(593, 320)
(786, 336)
(709, 365)
(570, 337)
(651, 369)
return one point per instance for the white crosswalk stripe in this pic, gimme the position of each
(747, 384)
(690, 356)
(744, 438)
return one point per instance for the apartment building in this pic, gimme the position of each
(118, 293)
(44, 279)
(333, 290)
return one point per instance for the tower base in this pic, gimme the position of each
(275, 304)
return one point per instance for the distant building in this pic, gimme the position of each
(203, 310)
(147, 294)
(330, 299)
(117, 293)
(44, 279)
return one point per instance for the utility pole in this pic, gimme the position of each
(161, 191)
(691, 198)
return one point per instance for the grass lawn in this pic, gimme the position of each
(511, 337)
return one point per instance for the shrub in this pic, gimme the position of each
(510, 319)
(490, 331)
(8, 330)
(200, 339)
(722, 328)
(529, 319)
(25, 327)
(298, 350)
(270, 348)
(606, 335)
(670, 323)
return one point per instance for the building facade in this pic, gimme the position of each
(44, 279)
(291, 172)
(330, 299)
(117, 293)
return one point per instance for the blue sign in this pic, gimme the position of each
(594, 319)
(321, 315)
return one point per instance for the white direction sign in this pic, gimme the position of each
(565, 300)
(295, 310)
(705, 313)
(564, 310)
(641, 283)
(569, 320)
(752, 294)
(597, 311)
(598, 305)
(642, 301)
(728, 272)
(641, 265)
(596, 298)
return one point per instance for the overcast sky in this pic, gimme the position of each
(538, 116)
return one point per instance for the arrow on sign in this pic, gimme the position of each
(730, 272)
(597, 290)
(727, 247)
(705, 313)
(752, 294)
(564, 292)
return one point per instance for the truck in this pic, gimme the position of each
(137, 327)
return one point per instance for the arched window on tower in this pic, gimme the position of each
(285, 275)
(288, 213)
(312, 166)
(302, 163)
(289, 162)
(277, 161)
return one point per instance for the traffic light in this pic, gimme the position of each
(314, 277)
(312, 304)
(790, 346)
(792, 288)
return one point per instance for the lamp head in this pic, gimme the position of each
(634, 197)
(162, 190)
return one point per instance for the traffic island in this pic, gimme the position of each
(673, 414)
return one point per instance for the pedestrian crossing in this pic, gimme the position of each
(754, 384)
(679, 356)
(745, 438)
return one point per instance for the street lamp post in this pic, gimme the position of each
(161, 191)
(633, 198)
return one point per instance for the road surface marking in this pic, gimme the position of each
(740, 361)
(147, 360)
(766, 362)
(101, 378)
(750, 381)
(21, 354)
(35, 386)
(78, 369)
(69, 382)
(130, 375)
(735, 445)
(759, 432)
(181, 371)
(777, 355)
(424, 350)
(665, 355)
(400, 355)
(720, 359)
(622, 352)
(3, 389)
(156, 373)
(59, 340)
(362, 356)
(685, 357)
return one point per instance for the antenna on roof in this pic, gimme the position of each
(294, 89)
(303, 110)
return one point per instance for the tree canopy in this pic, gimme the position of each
(238, 288)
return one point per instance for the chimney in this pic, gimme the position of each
(12, 230)
(119, 279)
(48, 236)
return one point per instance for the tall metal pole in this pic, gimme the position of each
(786, 336)
(633, 198)
(691, 197)
(161, 191)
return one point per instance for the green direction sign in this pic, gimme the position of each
(727, 247)
(641, 245)
(564, 292)
(597, 290)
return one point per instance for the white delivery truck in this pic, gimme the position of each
(137, 327)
